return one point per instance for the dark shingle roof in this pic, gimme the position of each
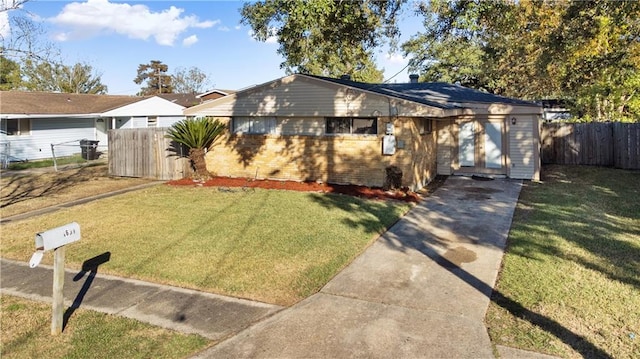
(436, 94)
(182, 99)
(49, 103)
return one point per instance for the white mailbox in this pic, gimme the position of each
(52, 239)
(58, 237)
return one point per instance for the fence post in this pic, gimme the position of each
(53, 155)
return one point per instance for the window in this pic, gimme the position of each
(152, 121)
(16, 127)
(254, 125)
(424, 125)
(352, 125)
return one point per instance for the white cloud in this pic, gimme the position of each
(94, 17)
(189, 41)
(5, 27)
(224, 28)
(61, 36)
(273, 39)
(395, 59)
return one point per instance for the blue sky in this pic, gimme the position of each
(116, 36)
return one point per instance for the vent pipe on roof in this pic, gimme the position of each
(345, 77)
(413, 78)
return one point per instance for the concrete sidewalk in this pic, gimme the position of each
(212, 316)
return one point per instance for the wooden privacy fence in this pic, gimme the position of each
(145, 153)
(611, 144)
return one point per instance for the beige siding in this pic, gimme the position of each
(445, 147)
(296, 97)
(311, 126)
(523, 148)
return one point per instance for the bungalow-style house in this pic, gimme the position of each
(33, 121)
(312, 128)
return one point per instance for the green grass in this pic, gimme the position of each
(61, 161)
(26, 333)
(570, 282)
(273, 246)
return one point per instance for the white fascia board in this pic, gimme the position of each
(153, 106)
(49, 116)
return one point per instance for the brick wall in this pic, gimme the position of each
(353, 159)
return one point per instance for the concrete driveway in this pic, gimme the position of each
(421, 290)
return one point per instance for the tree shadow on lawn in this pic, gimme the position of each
(427, 247)
(28, 186)
(570, 219)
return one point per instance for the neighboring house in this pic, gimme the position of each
(312, 128)
(554, 110)
(182, 99)
(33, 121)
(213, 94)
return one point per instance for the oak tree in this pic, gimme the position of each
(326, 37)
(54, 77)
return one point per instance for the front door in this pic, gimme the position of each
(493, 145)
(480, 147)
(101, 132)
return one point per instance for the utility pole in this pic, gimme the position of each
(159, 81)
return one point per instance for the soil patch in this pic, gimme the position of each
(351, 190)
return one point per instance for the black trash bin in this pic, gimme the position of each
(89, 149)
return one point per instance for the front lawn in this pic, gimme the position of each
(273, 246)
(570, 282)
(25, 191)
(26, 333)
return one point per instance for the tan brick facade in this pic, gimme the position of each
(352, 159)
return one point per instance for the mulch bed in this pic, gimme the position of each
(351, 190)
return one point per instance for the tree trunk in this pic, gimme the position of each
(196, 155)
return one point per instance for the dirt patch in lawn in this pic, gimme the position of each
(351, 190)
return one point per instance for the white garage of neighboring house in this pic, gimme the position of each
(312, 128)
(32, 121)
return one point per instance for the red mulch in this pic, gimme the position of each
(351, 190)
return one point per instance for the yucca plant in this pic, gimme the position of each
(198, 135)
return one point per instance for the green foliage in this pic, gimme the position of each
(9, 74)
(55, 77)
(190, 81)
(198, 132)
(60, 161)
(587, 52)
(154, 74)
(326, 37)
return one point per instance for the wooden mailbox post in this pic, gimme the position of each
(56, 239)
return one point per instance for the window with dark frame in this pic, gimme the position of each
(425, 125)
(16, 127)
(352, 125)
(254, 125)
